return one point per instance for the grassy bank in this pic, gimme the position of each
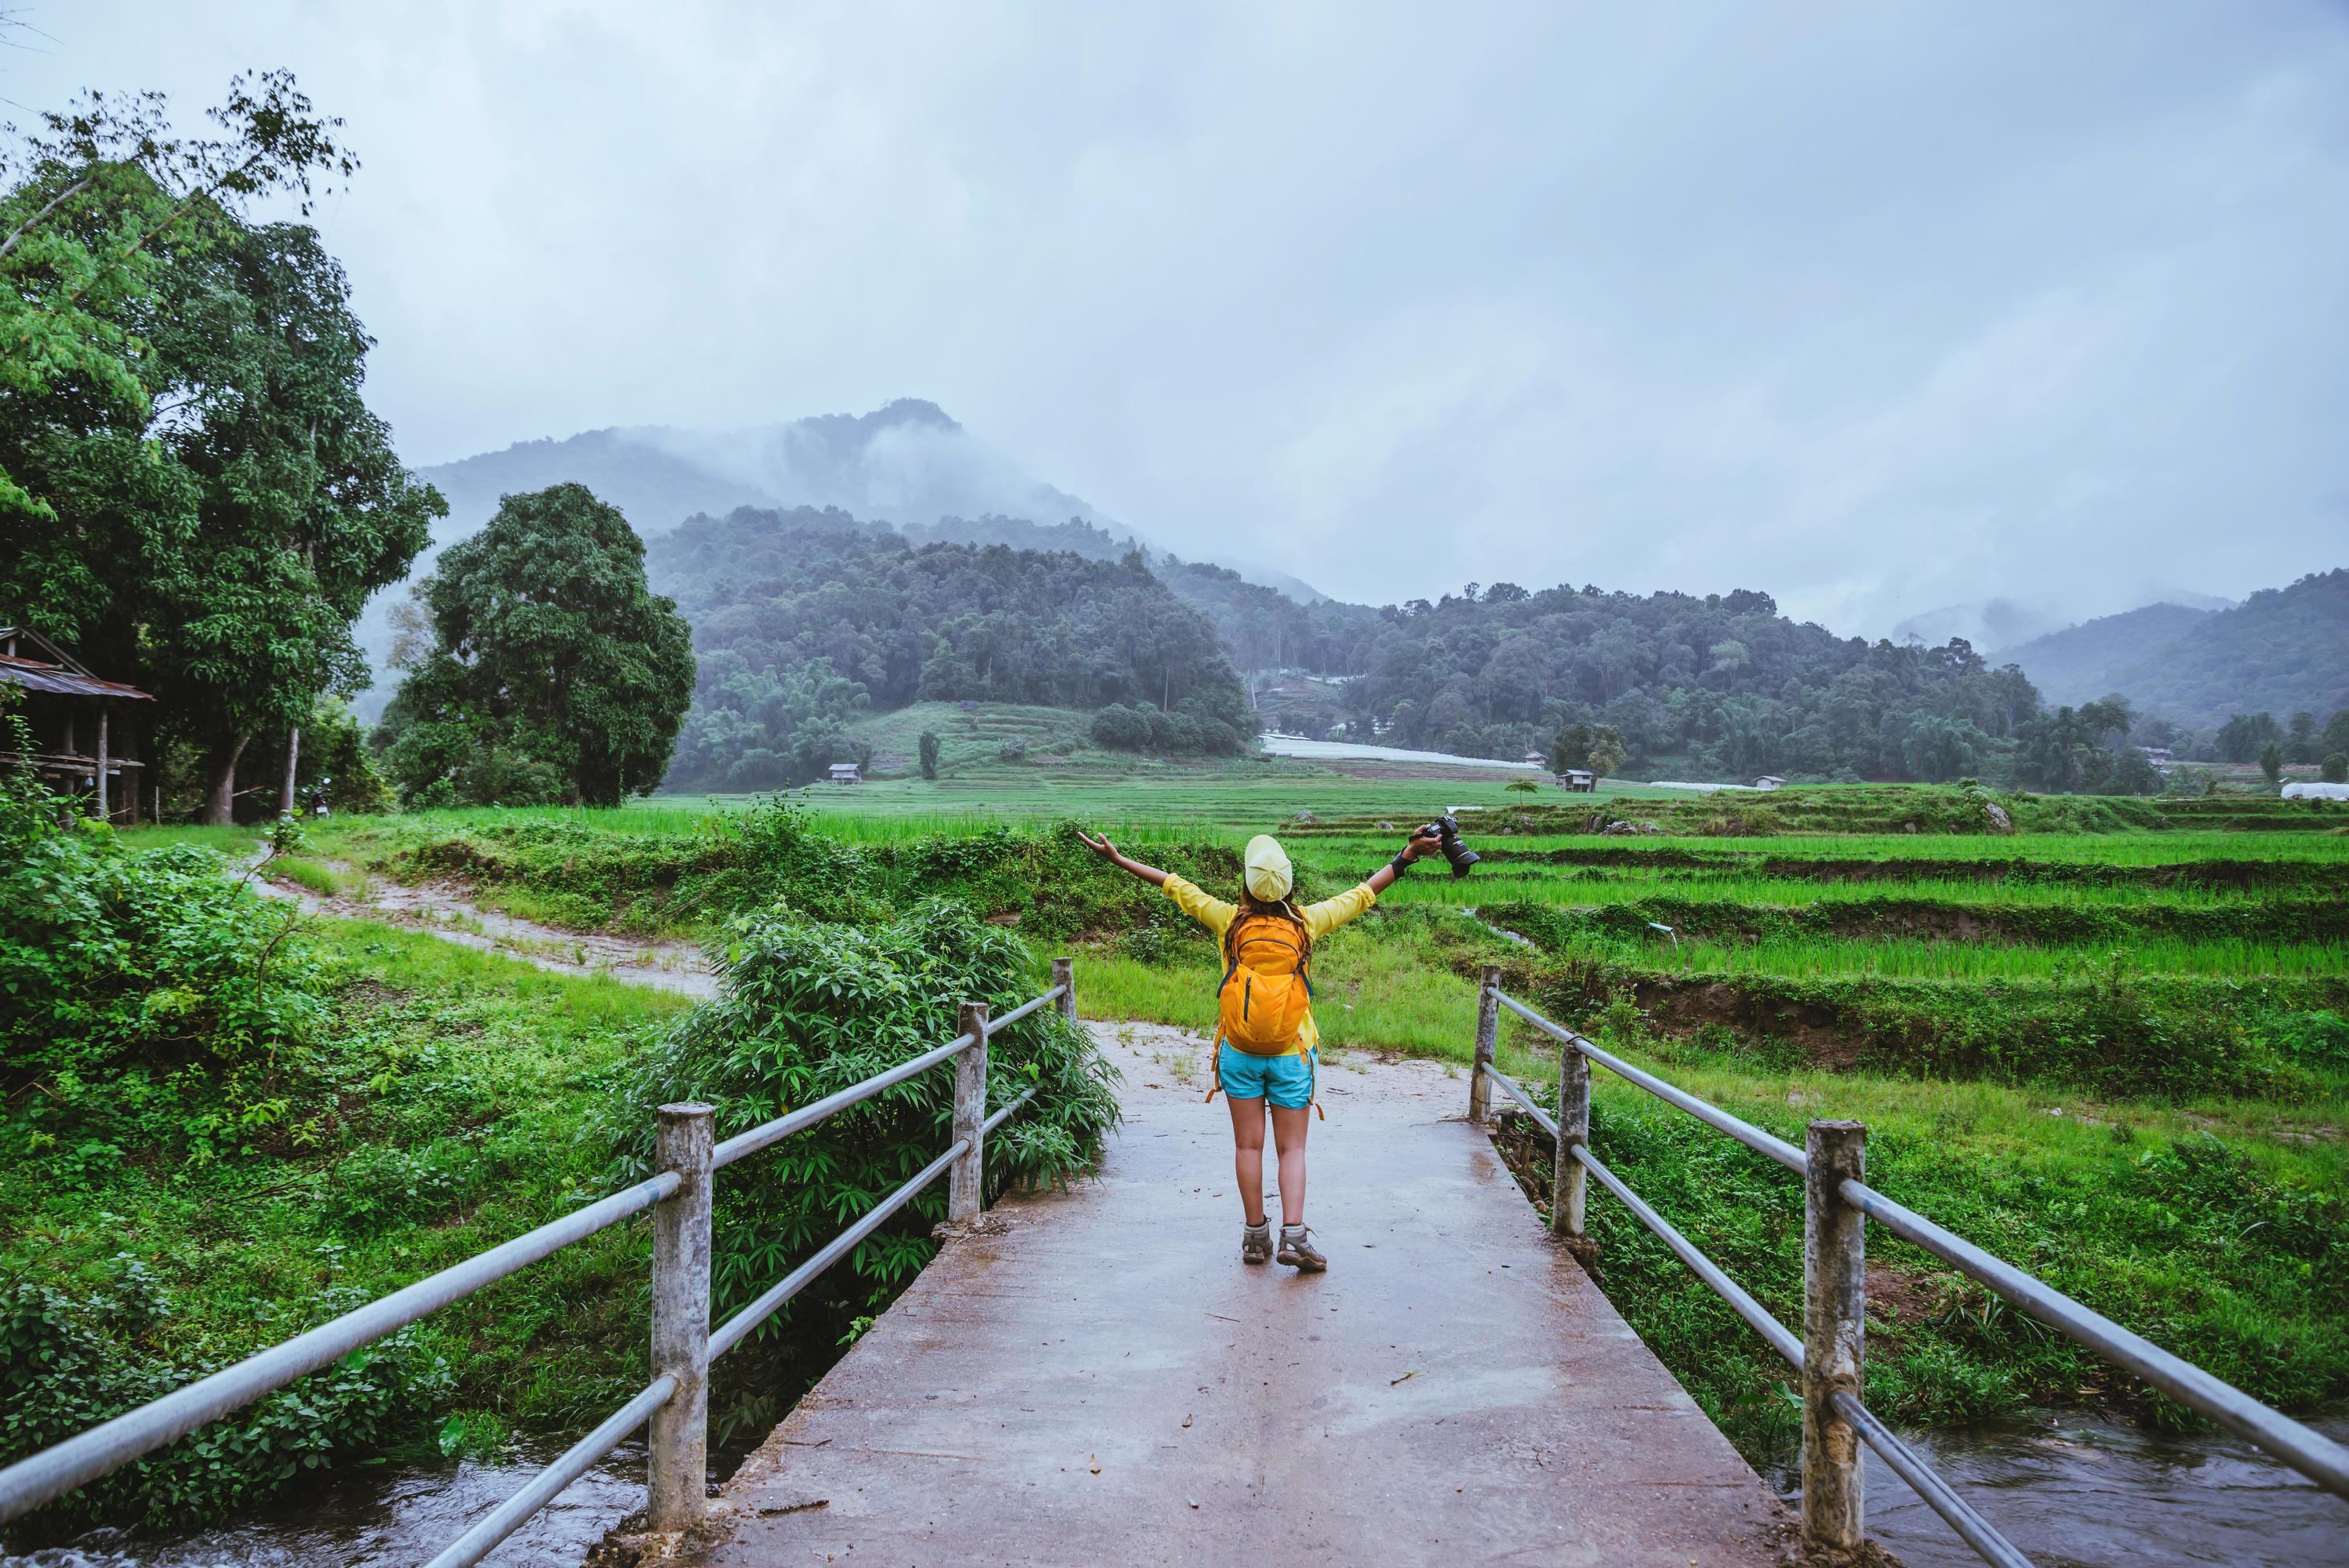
(222, 1122)
(438, 1112)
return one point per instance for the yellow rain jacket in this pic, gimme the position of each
(1320, 920)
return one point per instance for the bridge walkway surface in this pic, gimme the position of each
(1093, 1376)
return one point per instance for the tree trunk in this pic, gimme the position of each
(220, 803)
(293, 755)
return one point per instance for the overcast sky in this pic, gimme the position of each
(1874, 306)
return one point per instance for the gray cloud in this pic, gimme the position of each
(1877, 308)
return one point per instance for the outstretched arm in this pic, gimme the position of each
(1108, 851)
(1384, 877)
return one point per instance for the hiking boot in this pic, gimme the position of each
(1299, 1253)
(1255, 1243)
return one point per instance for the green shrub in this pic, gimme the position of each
(810, 1009)
(150, 998)
(67, 1363)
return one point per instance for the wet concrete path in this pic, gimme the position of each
(1095, 1378)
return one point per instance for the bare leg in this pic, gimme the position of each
(1289, 1134)
(1247, 1155)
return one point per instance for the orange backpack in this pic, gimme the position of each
(1267, 987)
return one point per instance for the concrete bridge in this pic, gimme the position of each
(1093, 1376)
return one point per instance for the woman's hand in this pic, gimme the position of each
(1108, 851)
(1423, 845)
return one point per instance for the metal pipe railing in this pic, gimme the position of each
(737, 1327)
(681, 1336)
(1926, 1482)
(1835, 1198)
(2311, 1452)
(1711, 1115)
(82, 1459)
(1827, 1355)
(576, 1462)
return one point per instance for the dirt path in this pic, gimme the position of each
(447, 914)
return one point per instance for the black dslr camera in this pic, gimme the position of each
(1446, 829)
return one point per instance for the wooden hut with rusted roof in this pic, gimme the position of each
(69, 709)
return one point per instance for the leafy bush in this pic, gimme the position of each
(69, 1362)
(1186, 731)
(128, 977)
(810, 1009)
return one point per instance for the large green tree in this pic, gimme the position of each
(304, 508)
(194, 493)
(552, 669)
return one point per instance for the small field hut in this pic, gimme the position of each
(1579, 779)
(69, 711)
(847, 773)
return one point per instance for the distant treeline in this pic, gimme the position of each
(1723, 681)
(803, 618)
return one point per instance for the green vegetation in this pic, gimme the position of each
(2283, 649)
(812, 1009)
(197, 499)
(555, 673)
(222, 1122)
(804, 619)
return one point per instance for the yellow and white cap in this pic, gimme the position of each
(1268, 876)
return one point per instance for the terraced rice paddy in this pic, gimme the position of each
(2112, 1046)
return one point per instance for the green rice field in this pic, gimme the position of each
(2111, 1042)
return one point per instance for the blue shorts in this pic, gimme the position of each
(1287, 1082)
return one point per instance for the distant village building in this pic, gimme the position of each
(2158, 755)
(1579, 779)
(1536, 759)
(68, 710)
(1768, 781)
(847, 773)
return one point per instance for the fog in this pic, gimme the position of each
(1881, 309)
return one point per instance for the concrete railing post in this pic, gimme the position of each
(1488, 1035)
(679, 1445)
(1835, 1304)
(1064, 974)
(1568, 1180)
(967, 1190)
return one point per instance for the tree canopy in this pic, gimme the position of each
(198, 498)
(1723, 680)
(805, 618)
(553, 673)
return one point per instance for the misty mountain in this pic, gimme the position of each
(909, 464)
(2082, 662)
(2283, 651)
(1985, 623)
(1998, 626)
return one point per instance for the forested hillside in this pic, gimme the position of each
(1723, 681)
(805, 618)
(2083, 663)
(2284, 650)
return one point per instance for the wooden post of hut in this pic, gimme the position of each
(56, 689)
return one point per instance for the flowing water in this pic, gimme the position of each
(2071, 1492)
(2076, 1492)
(382, 1518)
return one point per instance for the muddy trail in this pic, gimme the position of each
(446, 913)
